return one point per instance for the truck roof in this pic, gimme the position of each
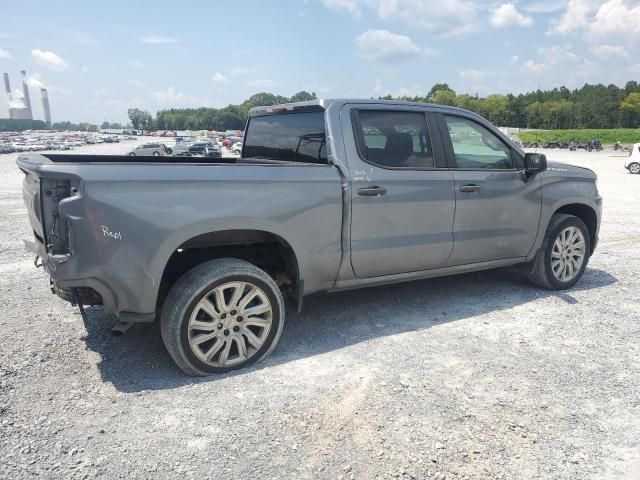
(321, 104)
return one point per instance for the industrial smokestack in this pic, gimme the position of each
(27, 99)
(7, 86)
(45, 105)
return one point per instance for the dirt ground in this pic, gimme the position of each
(478, 376)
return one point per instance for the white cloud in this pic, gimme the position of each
(574, 17)
(561, 65)
(616, 19)
(85, 69)
(607, 52)
(445, 18)
(158, 39)
(442, 17)
(218, 77)
(49, 60)
(385, 46)
(532, 67)
(514, 59)
(35, 81)
(260, 83)
(600, 20)
(506, 15)
(5, 54)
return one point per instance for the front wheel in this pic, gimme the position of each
(634, 168)
(564, 254)
(156, 154)
(222, 315)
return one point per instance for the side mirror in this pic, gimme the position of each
(535, 162)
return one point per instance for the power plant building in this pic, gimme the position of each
(20, 107)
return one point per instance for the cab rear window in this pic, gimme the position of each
(290, 137)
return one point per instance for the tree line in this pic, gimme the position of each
(592, 106)
(231, 117)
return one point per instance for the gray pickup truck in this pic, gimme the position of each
(327, 195)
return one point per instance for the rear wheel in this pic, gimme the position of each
(132, 154)
(222, 315)
(564, 254)
(634, 168)
(156, 154)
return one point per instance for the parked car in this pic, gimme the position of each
(181, 149)
(155, 149)
(198, 148)
(397, 192)
(212, 150)
(237, 148)
(633, 160)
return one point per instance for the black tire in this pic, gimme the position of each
(156, 154)
(634, 168)
(542, 274)
(191, 288)
(132, 154)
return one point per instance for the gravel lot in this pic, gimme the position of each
(475, 376)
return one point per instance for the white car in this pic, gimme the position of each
(237, 148)
(633, 161)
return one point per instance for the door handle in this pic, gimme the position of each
(469, 188)
(373, 191)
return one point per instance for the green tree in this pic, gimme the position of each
(444, 97)
(630, 108)
(495, 109)
(140, 119)
(436, 88)
(303, 96)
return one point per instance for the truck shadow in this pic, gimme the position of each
(138, 360)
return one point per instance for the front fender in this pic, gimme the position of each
(562, 192)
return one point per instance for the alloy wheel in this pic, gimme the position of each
(568, 254)
(230, 324)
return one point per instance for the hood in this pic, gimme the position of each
(558, 169)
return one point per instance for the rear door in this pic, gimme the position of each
(497, 204)
(402, 200)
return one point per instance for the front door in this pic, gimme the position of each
(497, 205)
(402, 203)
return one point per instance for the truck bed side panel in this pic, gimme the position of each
(127, 221)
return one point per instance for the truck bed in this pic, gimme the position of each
(111, 223)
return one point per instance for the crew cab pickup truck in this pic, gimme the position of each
(327, 195)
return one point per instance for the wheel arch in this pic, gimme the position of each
(263, 248)
(585, 213)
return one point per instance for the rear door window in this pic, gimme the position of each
(394, 139)
(291, 137)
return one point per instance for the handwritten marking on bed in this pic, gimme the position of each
(106, 231)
